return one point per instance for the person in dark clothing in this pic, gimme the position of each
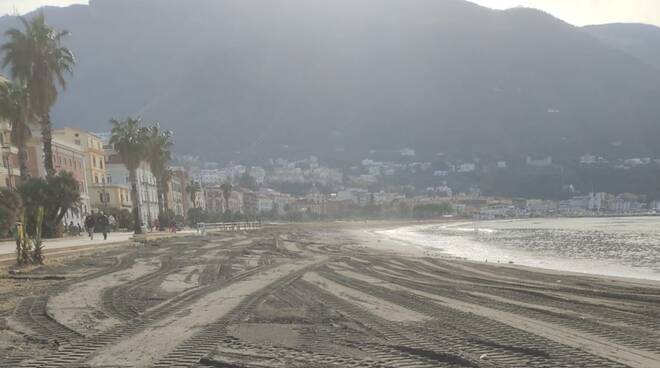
(104, 224)
(90, 223)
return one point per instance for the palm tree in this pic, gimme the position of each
(193, 188)
(226, 188)
(14, 107)
(167, 178)
(129, 140)
(37, 59)
(159, 155)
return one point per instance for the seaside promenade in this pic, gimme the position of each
(73, 244)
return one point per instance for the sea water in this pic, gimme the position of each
(614, 246)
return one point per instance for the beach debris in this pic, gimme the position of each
(483, 357)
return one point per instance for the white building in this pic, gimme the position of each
(540, 206)
(259, 174)
(325, 176)
(382, 197)
(467, 167)
(209, 176)
(264, 203)
(407, 152)
(287, 175)
(355, 195)
(544, 162)
(588, 159)
(146, 187)
(495, 211)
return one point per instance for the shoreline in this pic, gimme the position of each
(409, 245)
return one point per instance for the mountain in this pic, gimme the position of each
(639, 40)
(247, 79)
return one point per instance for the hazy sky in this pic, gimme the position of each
(578, 12)
(582, 12)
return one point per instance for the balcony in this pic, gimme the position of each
(14, 171)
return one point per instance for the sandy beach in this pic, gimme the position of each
(323, 295)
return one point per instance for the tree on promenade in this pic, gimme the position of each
(226, 188)
(129, 140)
(193, 188)
(158, 155)
(36, 58)
(55, 195)
(11, 208)
(167, 179)
(14, 107)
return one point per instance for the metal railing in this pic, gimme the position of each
(204, 227)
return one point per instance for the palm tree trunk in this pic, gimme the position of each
(22, 162)
(193, 198)
(166, 201)
(161, 212)
(47, 137)
(137, 227)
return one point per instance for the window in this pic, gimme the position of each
(96, 179)
(77, 142)
(94, 161)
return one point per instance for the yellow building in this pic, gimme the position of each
(101, 195)
(176, 194)
(110, 196)
(91, 144)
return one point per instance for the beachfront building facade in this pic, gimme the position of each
(146, 186)
(8, 154)
(9, 170)
(66, 158)
(92, 146)
(180, 176)
(95, 167)
(109, 196)
(176, 195)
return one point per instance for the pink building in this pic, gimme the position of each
(66, 157)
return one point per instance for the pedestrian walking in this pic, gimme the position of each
(90, 223)
(113, 222)
(104, 225)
